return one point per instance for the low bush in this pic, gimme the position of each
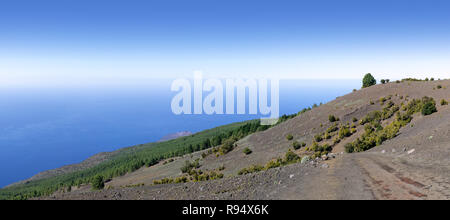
(332, 118)
(444, 102)
(289, 137)
(429, 108)
(247, 151)
(189, 166)
(318, 137)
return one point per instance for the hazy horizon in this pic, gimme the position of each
(53, 43)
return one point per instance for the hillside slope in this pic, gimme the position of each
(413, 164)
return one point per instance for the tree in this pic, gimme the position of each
(383, 81)
(369, 80)
(98, 182)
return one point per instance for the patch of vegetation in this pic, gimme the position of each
(369, 80)
(296, 145)
(189, 166)
(334, 127)
(439, 86)
(289, 158)
(375, 134)
(289, 137)
(98, 182)
(252, 169)
(247, 151)
(344, 132)
(332, 118)
(444, 102)
(319, 149)
(429, 107)
(318, 137)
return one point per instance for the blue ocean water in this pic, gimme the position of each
(42, 129)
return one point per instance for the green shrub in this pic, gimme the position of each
(428, 108)
(98, 182)
(291, 157)
(318, 137)
(439, 87)
(344, 132)
(273, 164)
(252, 169)
(189, 166)
(354, 119)
(247, 151)
(296, 145)
(368, 80)
(383, 81)
(289, 137)
(332, 118)
(444, 102)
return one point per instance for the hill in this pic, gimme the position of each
(380, 142)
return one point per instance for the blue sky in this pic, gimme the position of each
(77, 42)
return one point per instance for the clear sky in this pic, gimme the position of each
(79, 42)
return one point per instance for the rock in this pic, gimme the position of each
(383, 151)
(325, 165)
(411, 151)
(291, 176)
(324, 157)
(305, 159)
(393, 151)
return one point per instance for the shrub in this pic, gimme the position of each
(273, 164)
(252, 169)
(344, 132)
(432, 79)
(368, 80)
(98, 182)
(332, 118)
(443, 102)
(247, 151)
(296, 145)
(291, 157)
(318, 137)
(289, 137)
(354, 119)
(439, 87)
(189, 166)
(181, 179)
(429, 108)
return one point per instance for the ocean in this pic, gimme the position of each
(43, 129)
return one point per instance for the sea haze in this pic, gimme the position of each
(42, 129)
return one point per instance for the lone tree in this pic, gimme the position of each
(98, 182)
(369, 80)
